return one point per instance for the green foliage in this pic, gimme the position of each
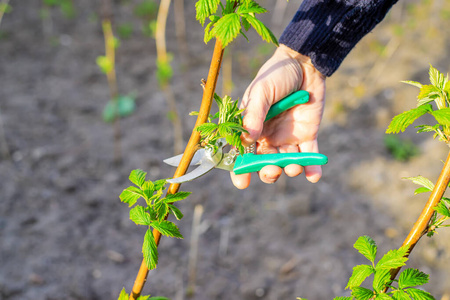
(381, 271)
(438, 92)
(125, 30)
(229, 124)
(66, 7)
(147, 9)
(124, 296)
(402, 150)
(5, 8)
(120, 107)
(236, 17)
(154, 213)
(105, 64)
(164, 71)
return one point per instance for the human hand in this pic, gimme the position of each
(294, 130)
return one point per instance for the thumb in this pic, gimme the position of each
(256, 107)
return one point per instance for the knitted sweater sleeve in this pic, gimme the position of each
(326, 30)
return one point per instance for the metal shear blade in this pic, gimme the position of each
(203, 158)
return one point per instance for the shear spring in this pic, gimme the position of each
(250, 149)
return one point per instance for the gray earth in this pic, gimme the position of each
(64, 234)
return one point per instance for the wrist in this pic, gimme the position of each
(304, 61)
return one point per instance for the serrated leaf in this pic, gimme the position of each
(227, 28)
(342, 298)
(381, 278)
(361, 293)
(177, 213)
(123, 295)
(417, 294)
(139, 216)
(400, 295)
(414, 83)
(252, 7)
(421, 190)
(143, 297)
(360, 273)
(261, 29)
(442, 116)
(412, 278)
(423, 181)
(160, 184)
(137, 177)
(161, 208)
(171, 198)
(382, 296)
(367, 247)
(426, 91)
(148, 188)
(428, 128)
(206, 128)
(424, 101)
(205, 8)
(442, 209)
(436, 78)
(150, 250)
(393, 259)
(403, 120)
(167, 228)
(130, 195)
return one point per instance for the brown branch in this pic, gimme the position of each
(191, 148)
(420, 228)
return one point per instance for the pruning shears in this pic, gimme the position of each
(209, 158)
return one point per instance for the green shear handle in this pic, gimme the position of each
(250, 162)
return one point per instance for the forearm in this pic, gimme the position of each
(327, 30)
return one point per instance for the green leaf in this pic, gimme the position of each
(383, 296)
(423, 181)
(421, 190)
(206, 128)
(139, 216)
(164, 71)
(403, 120)
(381, 278)
(105, 64)
(160, 184)
(253, 7)
(123, 295)
(130, 195)
(426, 91)
(414, 83)
(417, 294)
(178, 214)
(361, 293)
(150, 250)
(360, 273)
(122, 106)
(261, 29)
(341, 298)
(227, 28)
(411, 278)
(205, 8)
(442, 209)
(436, 78)
(400, 295)
(137, 177)
(367, 247)
(428, 128)
(162, 209)
(393, 259)
(148, 188)
(171, 198)
(143, 297)
(167, 228)
(442, 116)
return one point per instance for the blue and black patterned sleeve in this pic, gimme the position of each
(326, 30)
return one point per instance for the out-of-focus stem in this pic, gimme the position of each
(163, 59)
(110, 52)
(4, 5)
(191, 148)
(180, 29)
(421, 226)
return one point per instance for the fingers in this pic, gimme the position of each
(269, 174)
(241, 181)
(256, 107)
(312, 173)
(291, 170)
